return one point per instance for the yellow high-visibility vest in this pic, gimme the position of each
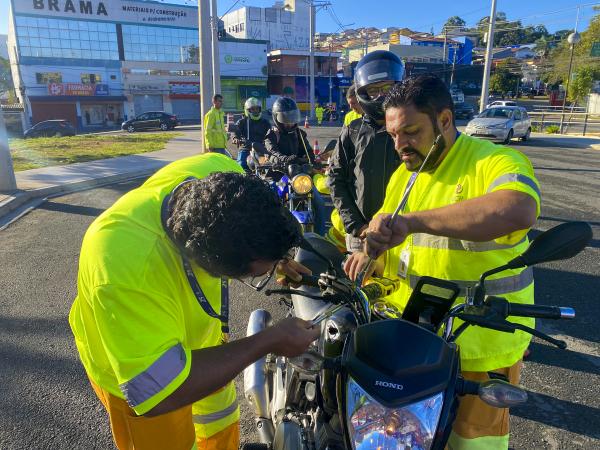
(136, 320)
(471, 169)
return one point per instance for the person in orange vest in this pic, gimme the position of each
(151, 315)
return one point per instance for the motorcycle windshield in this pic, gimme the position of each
(374, 427)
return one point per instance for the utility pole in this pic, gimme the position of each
(204, 56)
(454, 48)
(216, 63)
(330, 81)
(366, 43)
(311, 57)
(8, 183)
(488, 59)
(445, 50)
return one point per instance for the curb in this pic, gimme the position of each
(14, 204)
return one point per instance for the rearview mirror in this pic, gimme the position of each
(561, 242)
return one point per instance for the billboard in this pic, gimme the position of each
(243, 59)
(151, 13)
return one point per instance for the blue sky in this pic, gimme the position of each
(420, 15)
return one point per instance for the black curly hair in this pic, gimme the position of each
(227, 220)
(427, 93)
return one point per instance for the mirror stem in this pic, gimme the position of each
(479, 295)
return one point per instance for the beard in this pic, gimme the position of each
(413, 158)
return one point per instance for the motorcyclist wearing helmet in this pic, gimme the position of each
(364, 158)
(285, 142)
(250, 129)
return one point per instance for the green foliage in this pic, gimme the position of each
(59, 151)
(454, 23)
(583, 82)
(503, 80)
(552, 129)
(558, 66)
(6, 82)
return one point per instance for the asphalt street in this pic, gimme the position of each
(46, 401)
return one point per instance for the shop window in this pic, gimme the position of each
(91, 78)
(48, 77)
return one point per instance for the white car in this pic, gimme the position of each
(502, 103)
(501, 123)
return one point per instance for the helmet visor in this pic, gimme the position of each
(288, 117)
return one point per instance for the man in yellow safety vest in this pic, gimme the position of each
(469, 211)
(356, 111)
(215, 136)
(151, 315)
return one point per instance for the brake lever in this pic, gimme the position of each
(507, 327)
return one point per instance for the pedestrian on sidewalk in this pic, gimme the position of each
(215, 136)
(151, 315)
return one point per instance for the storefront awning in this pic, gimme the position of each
(75, 98)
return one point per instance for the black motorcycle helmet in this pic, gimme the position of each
(286, 114)
(376, 68)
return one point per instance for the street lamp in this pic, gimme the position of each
(312, 11)
(572, 39)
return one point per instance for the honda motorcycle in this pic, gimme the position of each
(293, 184)
(358, 386)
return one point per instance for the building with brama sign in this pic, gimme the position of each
(98, 62)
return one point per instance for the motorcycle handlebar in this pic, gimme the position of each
(309, 280)
(541, 311)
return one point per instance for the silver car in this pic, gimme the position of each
(501, 123)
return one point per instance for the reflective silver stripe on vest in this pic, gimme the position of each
(203, 419)
(512, 178)
(446, 243)
(498, 286)
(156, 377)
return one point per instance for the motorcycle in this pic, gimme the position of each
(294, 185)
(358, 387)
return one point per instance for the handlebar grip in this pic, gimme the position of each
(541, 311)
(373, 291)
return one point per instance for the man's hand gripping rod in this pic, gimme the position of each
(361, 276)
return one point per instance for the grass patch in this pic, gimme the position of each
(552, 129)
(60, 151)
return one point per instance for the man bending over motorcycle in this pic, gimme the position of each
(151, 315)
(469, 211)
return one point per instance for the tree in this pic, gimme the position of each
(454, 23)
(6, 81)
(504, 79)
(581, 86)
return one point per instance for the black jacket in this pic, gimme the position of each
(362, 164)
(248, 131)
(284, 148)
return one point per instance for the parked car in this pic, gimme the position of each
(502, 103)
(151, 119)
(501, 123)
(49, 128)
(463, 111)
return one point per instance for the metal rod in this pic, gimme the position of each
(488, 59)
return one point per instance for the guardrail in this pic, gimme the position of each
(566, 121)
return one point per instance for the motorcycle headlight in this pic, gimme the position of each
(373, 426)
(302, 184)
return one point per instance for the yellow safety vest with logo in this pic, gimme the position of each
(471, 169)
(136, 320)
(215, 135)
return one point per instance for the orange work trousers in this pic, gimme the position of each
(476, 419)
(170, 431)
